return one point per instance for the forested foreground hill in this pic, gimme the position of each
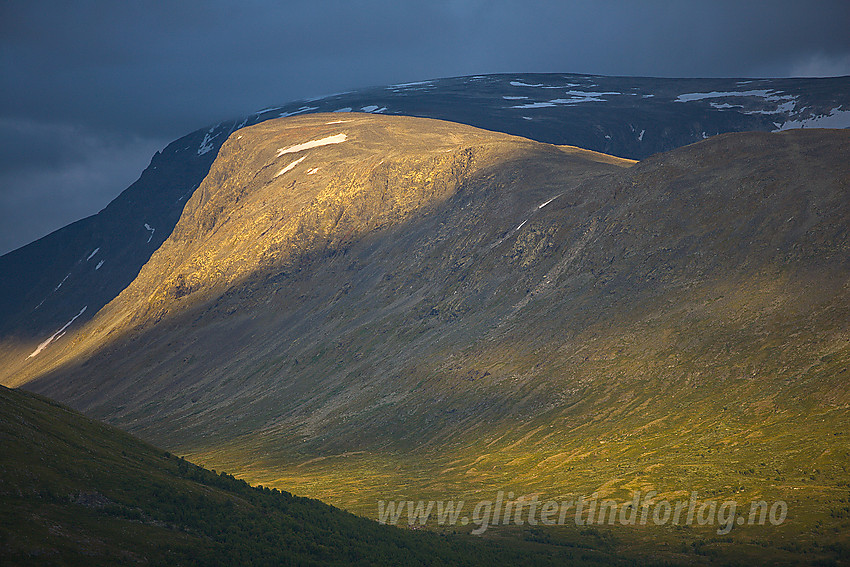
(74, 491)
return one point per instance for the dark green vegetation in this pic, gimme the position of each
(76, 492)
(437, 312)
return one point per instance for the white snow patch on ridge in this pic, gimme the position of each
(63, 281)
(152, 230)
(768, 94)
(290, 166)
(269, 109)
(58, 333)
(535, 105)
(687, 97)
(207, 143)
(322, 97)
(575, 98)
(784, 107)
(405, 85)
(724, 105)
(592, 93)
(835, 119)
(588, 98)
(549, 201)
(335, 139)
(521, 84)
(299, 111)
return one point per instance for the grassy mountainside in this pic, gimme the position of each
(89, 262)
(480, 313)
(76, 492)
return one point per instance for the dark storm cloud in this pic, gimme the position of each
(91, 88)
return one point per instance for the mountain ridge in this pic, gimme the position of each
(630, 117)
(273, 381)
(545, 322)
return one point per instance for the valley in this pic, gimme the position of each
(359, 308)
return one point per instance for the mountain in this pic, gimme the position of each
(361, 308)
(45, 284)
(76, 492)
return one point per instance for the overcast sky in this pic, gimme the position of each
(91, 89)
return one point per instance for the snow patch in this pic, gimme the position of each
(99, 264)
(688, 97)
(290, 166)
(549, 201)
(724, 105)
(576, 97)
(345, 109)
(299, 111)
(514, 97)
(521, 225)
(767, 94)
(784, 107)
(322, 97)
(312, 171)
(269, 109)
(96, 250)
(640, 136)
(373, 108)
(835, 119)
(589, 94)
(60, 283)
(521, 84)
(151, 230)
(207, 144)
(406, 85)
(335, 139)
(576, 100)
(535, 105)
(57, 334)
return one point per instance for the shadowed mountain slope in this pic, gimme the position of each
(76, 492)
(402, 308)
